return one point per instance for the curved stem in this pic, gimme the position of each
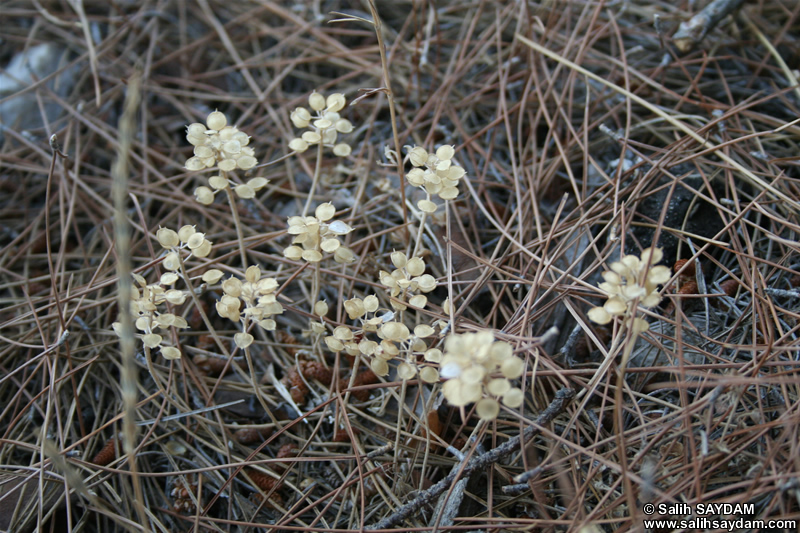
(253, 380)
(198, 305)
(236, 222)
(315, 180)
(387, 88)
(315, 286)
(421, 229)
(619, 419)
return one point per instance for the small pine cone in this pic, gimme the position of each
(729, 287)
(211, 366)
(690, 287)
(367, 377)
(195, 318)
(287, 450)
(582, 349)
(690, 271)
(435, 423)
(299, 394)
(341, 435)
(206, 342)
(297, 387)
(344, 383)
(459, 443)
(316, 370)
(274, 500)
(251, 435)
(262, 480)
(293, 377)
(107, 454)
(284, 337)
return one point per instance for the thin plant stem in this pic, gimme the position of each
(315, 180)
(315, 290)
(420, 231)
(387, 84)
(401, 404)
(315, 285)
(129, 377)
(199, 307)
(619, 419)
(252, 369)
(356, 365)
(236, 222)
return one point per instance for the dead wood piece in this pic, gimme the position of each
(693, 31)
(562, 399)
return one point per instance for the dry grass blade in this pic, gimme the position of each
(360, 245)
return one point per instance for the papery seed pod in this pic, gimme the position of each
(216, 120)
(251, 435)
(106, 454)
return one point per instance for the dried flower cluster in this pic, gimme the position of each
(324, 126)
(185, 238)
(394, 339)
(216, 143)
(358, 342)
(471, 363)
(407, 281)
(414, 347)
(318, 234)
(631, 281)
(205, 195)
(260, 303)
(145, 302)
(477, 369)
(435, 174)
